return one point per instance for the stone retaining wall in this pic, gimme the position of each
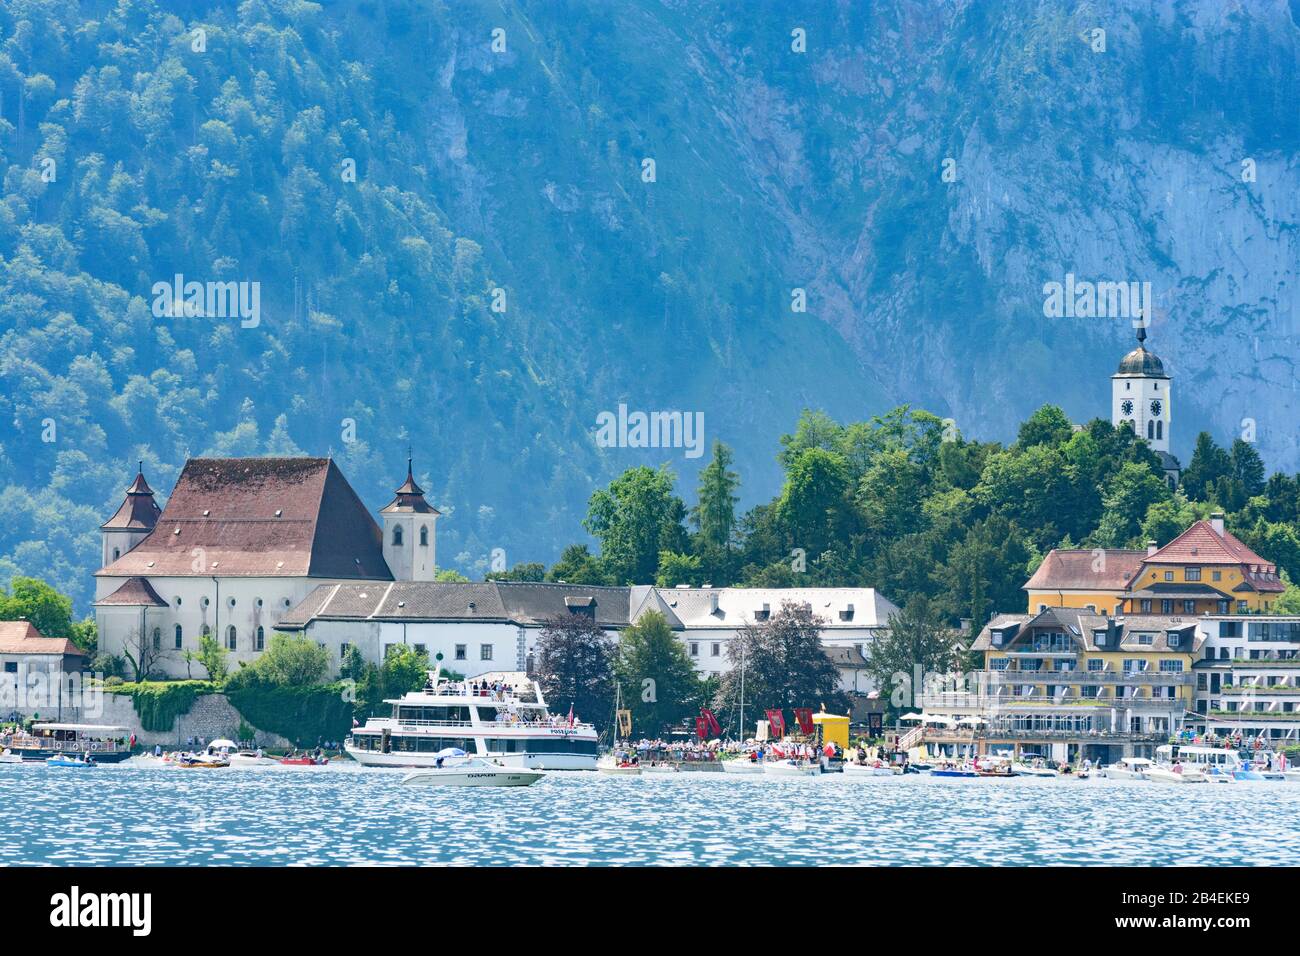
(211, 716)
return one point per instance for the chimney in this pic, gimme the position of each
(1152, 548)
(1216, 522)
(965, 625)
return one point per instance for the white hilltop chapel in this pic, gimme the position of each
(1141, 400)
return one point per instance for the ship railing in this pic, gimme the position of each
(401, 724)
(65, 746)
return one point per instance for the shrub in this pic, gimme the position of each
(302, 714)
(159, 703)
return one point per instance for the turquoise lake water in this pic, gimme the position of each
(346, 815)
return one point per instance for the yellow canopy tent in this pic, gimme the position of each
(835, 728)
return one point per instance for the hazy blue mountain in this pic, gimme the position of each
(522, 171)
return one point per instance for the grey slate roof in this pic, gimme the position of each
(1080, 624)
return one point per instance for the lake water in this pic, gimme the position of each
(346, 815)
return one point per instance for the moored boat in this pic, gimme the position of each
(501, 717)
(8, 756)
(863, 770)
(67, 760)
(742, 766)
(105, 743)
(790, 768)
(1175, 773)
(1127, 768)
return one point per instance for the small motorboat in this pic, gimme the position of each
(618, 768)
(473, 772)
(954, 772)
(8, 756)
(868, 770)
(251, 758)
(202, 761)
(64, 760)
(302, 760)
(743, 766)
(790, 768)
(1176, 773)
(1033, 770)
(1127, 768)
(659, 767)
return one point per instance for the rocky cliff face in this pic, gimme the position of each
(653, 186)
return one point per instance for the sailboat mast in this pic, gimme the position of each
(742, 689)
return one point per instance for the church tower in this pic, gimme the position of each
(133, 521)
(1141, 399)
(409, 532)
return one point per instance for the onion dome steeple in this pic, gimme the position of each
(1140, 361)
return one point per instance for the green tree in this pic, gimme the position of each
(574, 665)
(917, 641)
(784, 663)
(1047, 426)
(292, 660)
(635, 518)
(577, 565)
(1128, 497)
(675, 569)
(213, 658)
(450, 576)
(45, 608)
(813, 506)
(404, 670)
(1209, 463)
(714, 514)
(659, 682)
(534, 571)
(1247, 467)
(984, 573)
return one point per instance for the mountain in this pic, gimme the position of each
(458, 245)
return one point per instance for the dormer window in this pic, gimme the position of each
(763, 613)
(847, 613)
(397, 535)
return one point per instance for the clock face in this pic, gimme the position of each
(1126, 407)
(1155, 408)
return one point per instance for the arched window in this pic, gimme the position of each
(231, 643)
(157, 637)
(424, 535)
(1151, 429)
(179, 635)
(206, 631)
(117, 552)
(397, 534)
(261, 638)
(1160, 429)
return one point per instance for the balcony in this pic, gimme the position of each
(1046, 676)
(987, 703)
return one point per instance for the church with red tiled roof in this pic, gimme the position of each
(239, 543)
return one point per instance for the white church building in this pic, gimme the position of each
(249, 546)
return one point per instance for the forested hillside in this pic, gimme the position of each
(458, 245)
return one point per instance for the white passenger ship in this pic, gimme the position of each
(510, 724)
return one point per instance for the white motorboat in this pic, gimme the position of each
(659, 768)
(251, 758)
(859, 770)
(618, 768)
(1175, 773)
(742, 765)
(1291, 776)
(1128, 768)
(790, 768)
(473, 772)
(8, 756)
(510, 724)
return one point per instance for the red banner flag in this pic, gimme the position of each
(715, 728)
(804, 716)
(701, 727)
(777, 723)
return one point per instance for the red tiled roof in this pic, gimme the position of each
(135, 592)
(1201, 544)
(1086, 570)
(22, 637)
(255, 517)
